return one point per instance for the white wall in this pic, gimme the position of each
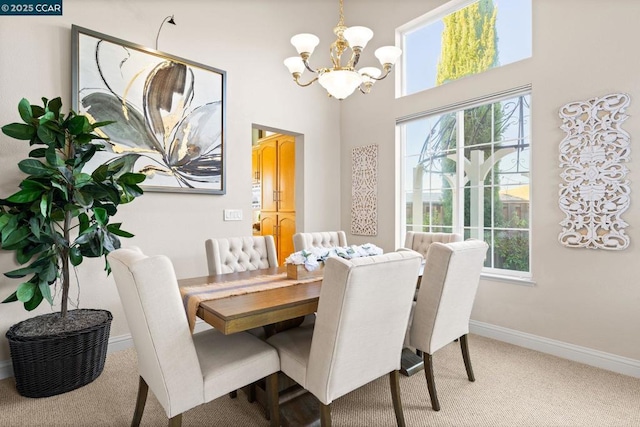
(581, 49)
(249, 39)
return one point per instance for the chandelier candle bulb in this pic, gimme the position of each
(342, 79)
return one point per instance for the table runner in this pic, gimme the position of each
(192, 296)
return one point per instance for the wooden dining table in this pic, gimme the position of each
(274, 309)
(269, 308)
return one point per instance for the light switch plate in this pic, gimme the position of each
(233, 214)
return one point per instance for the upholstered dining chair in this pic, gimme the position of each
(362, 316)
(323, 239)
(228, 255)
(420, 241)
(442, 311)
(182, 370)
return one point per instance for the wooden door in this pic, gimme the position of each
(286, 174)
(255, 164)
(268, 175)
(268, 224)
(286, 230)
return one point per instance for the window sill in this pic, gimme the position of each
(523, 281)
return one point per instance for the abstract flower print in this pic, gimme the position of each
(161, 113)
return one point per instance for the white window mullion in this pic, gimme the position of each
(458, 206)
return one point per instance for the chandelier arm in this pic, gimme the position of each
(308, 67)
(387, 71)
(297, 80)
(355, 57)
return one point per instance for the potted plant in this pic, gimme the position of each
(59, 216)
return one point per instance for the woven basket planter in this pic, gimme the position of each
(54, 364)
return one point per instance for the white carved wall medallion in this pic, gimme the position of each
(364, 190)
(594, 192)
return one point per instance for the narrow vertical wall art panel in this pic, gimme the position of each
(594, 192)
(364, 190)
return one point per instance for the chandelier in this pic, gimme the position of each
(341, 80)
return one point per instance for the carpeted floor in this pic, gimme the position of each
(514, 387)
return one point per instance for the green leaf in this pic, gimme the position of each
(30, 184)
(83, 199)
(100, 124)
(53, 157)
(25, 196)
(78, 125)
(50, 272)
(101, 216)
(45, 290)
(75, 256)
(115, 229)
(131, 178)
(24, 108)
(17, 236)
(83, 138)
(38, 152)
(35, 301)
(100, 173)
(37, 111)
(26, 291)
(36, 267)
(11, 298)
(61, 187)
(4, 220)
(19, 131)
(83, 222)
(46, 135)
(54, 106)
(82, 179)
(47, 117)
(34, 167)
(34, 226)
(44, 205)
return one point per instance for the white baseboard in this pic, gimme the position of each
(121, 342)
(599, 359)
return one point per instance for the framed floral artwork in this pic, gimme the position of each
(168, 109)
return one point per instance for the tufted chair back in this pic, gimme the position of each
(228, 255)
(420, 241)
(324, 239)
(152, 304)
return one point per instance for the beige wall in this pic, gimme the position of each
(247, 39)
(581, 49)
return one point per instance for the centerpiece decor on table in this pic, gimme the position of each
(310, 262)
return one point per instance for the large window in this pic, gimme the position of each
(461, 38)
(467, 172)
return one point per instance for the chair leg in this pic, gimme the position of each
(273, 402)
(325, 415)
(394, 382)
(251, 397)
(175, 421)
(464, 346)
(143, 390)
(431, 383)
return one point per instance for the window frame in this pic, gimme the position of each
(514, 276)
(418, 23)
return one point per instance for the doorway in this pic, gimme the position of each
(273, 168)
